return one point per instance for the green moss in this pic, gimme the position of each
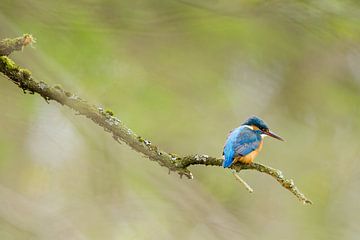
(108, 111)
(140, 139)
(58, 86)
(26, 73)
(8, 63)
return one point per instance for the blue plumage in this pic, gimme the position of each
(255, 121)
(240, 142)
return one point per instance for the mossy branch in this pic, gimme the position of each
(8, 45)
(106, 119)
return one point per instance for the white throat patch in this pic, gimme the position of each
(250, 127)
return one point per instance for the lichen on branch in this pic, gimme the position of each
(106, 119)
(8, 45)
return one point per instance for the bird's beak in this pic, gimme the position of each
(271, 134)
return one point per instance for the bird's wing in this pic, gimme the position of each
(227, 139)
(240, 142)
(246, 142)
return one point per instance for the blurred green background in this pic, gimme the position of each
(182, 73)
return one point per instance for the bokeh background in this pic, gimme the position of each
(182, 73)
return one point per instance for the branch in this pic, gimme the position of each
(275, 173)
(9, 45)
(106, 119)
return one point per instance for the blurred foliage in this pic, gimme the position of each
(182, 73)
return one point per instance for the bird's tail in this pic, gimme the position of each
(227, 161)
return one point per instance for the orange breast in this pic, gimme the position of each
(249, 158)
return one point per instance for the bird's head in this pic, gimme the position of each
(256, 123)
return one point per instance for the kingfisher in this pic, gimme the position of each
(245, 142)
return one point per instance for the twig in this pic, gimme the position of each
(9, 45)
(242, 181)
(105, 118)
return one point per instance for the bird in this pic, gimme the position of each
(245, 142)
